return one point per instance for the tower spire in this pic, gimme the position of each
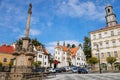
(110, 16)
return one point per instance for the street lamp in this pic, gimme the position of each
(99, 58)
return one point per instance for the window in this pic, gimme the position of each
(40, 56)
(78, 58)
(113, 42)
(108, 54)
(102, 55)
(63, 58)
(100, 36)
(5, 60)
(58, 53)
(96, 55)
(107, 44)
(116, 54)
(45, 63)
(119, 32)
(105, 32)
(100, 44)
(112, 33)
(58, 58)
(45, 57)
(79, 64)
(108, 10)
(94, 36)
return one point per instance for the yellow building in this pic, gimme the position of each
(6, 54)
(108, 41)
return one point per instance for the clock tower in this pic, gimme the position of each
(110, 16)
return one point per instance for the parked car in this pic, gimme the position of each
(82, 71)
(39, 70)
(74, 69)
(51, 70)
(68, 68)
(58, 70)
(63, 69)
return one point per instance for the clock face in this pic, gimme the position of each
(110, 18)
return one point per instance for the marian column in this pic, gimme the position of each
(28, 21)
(25, 39)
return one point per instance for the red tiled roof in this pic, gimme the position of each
(73, 51)
(64, 48)
(57, 47)
(45, 51)
(7, 49)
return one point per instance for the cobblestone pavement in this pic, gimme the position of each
(104, 76)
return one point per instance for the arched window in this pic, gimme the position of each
(108, 10)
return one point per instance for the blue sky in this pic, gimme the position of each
(53, 20)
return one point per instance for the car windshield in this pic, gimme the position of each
(74, 68)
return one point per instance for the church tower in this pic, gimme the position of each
(110, 16)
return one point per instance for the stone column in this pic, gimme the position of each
(28, 21)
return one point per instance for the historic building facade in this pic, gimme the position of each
(42, 56)
(68, 56)
(106, 41)
(6, 54)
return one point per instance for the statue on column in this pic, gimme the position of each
(30, 8)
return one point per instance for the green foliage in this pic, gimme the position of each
(37, 63)
(92, 60)
(50, 59)
(11, 64)
(87, 47)
(0, 64)
(35, 42)
(111, 60)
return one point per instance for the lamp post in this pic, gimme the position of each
(99, 59)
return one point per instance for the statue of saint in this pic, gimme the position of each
(30, 9)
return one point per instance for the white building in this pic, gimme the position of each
(42, 55)
(69, 56)
(107, 39)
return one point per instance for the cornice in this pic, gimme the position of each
(105, 29)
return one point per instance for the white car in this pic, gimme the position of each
(67, 68)
(51, 70)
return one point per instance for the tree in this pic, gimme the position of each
(50, 59)
(87, 47)
(10, 63)
(111, 60)
(92, 61)
(37, 64)
(35, 42)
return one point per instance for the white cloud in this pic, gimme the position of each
(34, 32)
(75, 8)
(51, 45)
